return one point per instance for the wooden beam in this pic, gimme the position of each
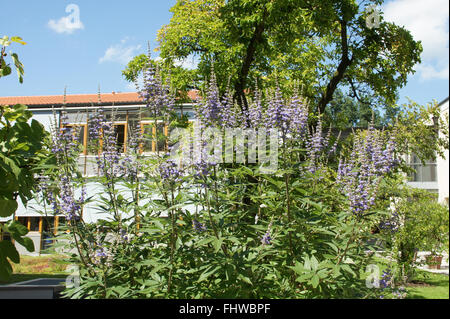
(40, 225)
(56, 223)
(125, 133)
(154, 139)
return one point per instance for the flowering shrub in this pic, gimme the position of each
(207, 229)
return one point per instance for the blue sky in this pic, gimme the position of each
(94, 50)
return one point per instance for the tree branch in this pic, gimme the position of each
(239, 87)
(339, 74)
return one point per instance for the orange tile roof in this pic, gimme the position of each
(194, 95)
(118, 98)
(75, 99)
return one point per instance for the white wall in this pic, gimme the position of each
(442, 165)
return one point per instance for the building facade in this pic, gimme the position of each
(130, 114)
(434, 175)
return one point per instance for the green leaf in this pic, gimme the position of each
(207, 273)
(205, 241)
(315, 281)
(246, 279)
(7, 207)
(4, 71)
(217, 243)
(17, 232)
(5, 268)
(314, 263)
(19, 66)
(348, 269)
(178, 243)
(8, 250)
(25, 242)
(17, 228)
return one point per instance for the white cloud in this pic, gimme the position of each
(67, 24)
(428, 22)
(120, 53)
(429, 72)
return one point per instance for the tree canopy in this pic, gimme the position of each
(323, 45)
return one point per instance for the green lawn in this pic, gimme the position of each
(48, 266)
(425, 285)
(431, 286)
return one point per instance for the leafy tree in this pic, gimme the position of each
(322, 44)
(20, 144)
(179, 77)
(343, 112)
(422, 130)
(417, 222)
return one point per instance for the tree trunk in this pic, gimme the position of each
(339, 74)
(239, 88)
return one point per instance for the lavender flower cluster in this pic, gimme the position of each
(64, 138)
(289, 116)
(155, 93)
(129, 165)
(315, 144)
(266, 239)
(110, 162)
(199, 227)
(387, 282)
(64, 146)
(359, 178)
(170, 172)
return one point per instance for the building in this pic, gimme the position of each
(434, 175)
(128, 109)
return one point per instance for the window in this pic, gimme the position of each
(155, 139)
(31, 223)
(34, 223)
(422, 173)
(23, 221)
(121, 136)
(80, 132)
(120, 131)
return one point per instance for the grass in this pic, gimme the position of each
(425, 285)
(31, 267)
